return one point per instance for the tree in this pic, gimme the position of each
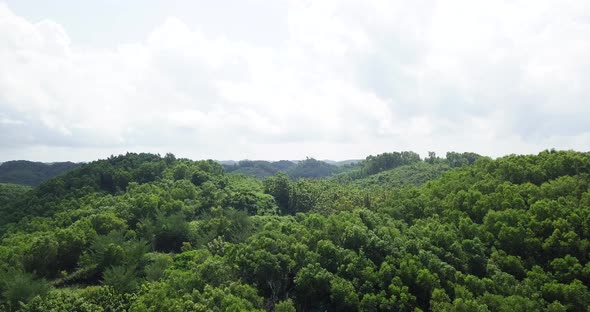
(122, 278)
(279, 187)
(41, 259)
(285, 306)
(16, 287)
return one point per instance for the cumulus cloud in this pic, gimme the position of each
(349, 78)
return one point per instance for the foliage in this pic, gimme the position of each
(32, 173)
(140, 232)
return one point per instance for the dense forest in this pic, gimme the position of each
(308, 168)
(394, 232)
(32, 173)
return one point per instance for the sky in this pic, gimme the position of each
(282, 79)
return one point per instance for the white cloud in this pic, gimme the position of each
(349, 78)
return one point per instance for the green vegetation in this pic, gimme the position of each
(414, 174)
(32, 173)
(10, 192)
(140, 232)
(309, 168)
(259, 168)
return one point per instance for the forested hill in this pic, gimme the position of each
(32, 173)
(310, 168)
(140, 232)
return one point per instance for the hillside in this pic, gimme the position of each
(32, 173)
(414, 174)
(308, 168)
(258, 168)
(140, 232)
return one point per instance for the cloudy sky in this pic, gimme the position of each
(81, 80)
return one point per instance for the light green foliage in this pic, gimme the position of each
(285, 306)
(140, 232)
(61, 300)
(413, 174)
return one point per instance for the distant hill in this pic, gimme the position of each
(413, 174)
(296, 169)
(312, 169)
(342, 162)
(411, 169)
(32, 173)
(257, 168)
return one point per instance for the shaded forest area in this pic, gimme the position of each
(394, 232)
(32, 173)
